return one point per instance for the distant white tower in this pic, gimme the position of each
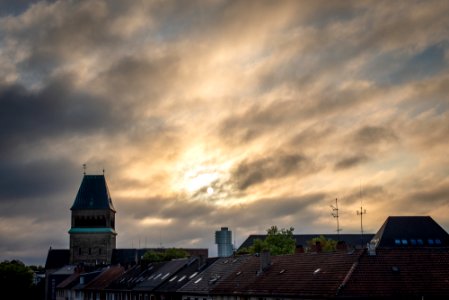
(223, 239)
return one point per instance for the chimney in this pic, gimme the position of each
(371, 248)
(265, 260)
(201, 261)
(341, 246)
(318, 246)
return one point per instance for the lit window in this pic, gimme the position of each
(420, 242)
(404, 242)
(438, 241)
(430, 241)
(397, 242)
(413, 242)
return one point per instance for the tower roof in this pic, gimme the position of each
(93, 194)
(411, 231)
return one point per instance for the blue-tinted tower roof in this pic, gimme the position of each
(93, 194)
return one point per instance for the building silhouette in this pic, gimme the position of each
(92, 234)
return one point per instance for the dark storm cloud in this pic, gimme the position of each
(28, 116)
(350, 162)
(22, 180)
(255, 171)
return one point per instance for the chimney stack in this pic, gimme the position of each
(318, 246)
(265, 260)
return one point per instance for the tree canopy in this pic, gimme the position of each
(278, 241)
(16, 278)
(327, 245)
(168, 254)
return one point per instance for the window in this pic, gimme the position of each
(404, 242)
(397, 242)
(438, 241)
(173, 278)
(182, 278)
(420, 242)
(193, 275)
(430, 241)
(413, 242)
(316, 271)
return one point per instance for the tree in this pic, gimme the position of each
(278, 241)
(327, 245)
(168, 254)
(15, 278)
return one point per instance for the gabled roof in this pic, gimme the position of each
(203, 282)
(134, 276)
(302, 239)
(161, 275)
(69, 282)
(93, 194)
(182, 277)
(411, 231)
(405, 273)
(101, 281)
(304, 275)
(57, 258)
(131, 256)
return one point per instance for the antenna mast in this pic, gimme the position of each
(84, 169)
(336, 216)
(361, 213)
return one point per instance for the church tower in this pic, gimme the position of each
(92, 235)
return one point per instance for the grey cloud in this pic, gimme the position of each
(350, 162)
(56, 110)
(252, 172)
(371, 135)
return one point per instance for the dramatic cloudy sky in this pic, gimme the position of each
(221, 113)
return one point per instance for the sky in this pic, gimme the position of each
(207, 114)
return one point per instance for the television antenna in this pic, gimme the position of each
(360, 213)
(336, 216)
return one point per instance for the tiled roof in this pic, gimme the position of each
(70, 281)
(406, 272)
(237, 281)
(182, 277)
(134, 276)
(105, 278)
(302, 275)
(93, 194)
(301, 239)
(203, 282)
(87, 277)
(161, 275)
(411, 231)
(57, 258)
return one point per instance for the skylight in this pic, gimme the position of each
(283, 270)
(173, 278)
(193, 275)
(165, 276)
(182, 278)
(316, 271)
(430, 241)
(198, 280)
